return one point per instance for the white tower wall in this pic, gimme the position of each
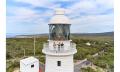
(59, 49)
(66, 63)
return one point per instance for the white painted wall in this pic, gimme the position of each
(25, 65)
(66, 64)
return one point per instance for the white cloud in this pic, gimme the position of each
(90, 7)
(37, 21)
(26, 20)
(93, 23)
(34, 2)
(84, 5)
(40, 3)
(105, 3)
(22, 14)
(93, 19)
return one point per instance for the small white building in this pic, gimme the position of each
(88, 44)
(29, 64)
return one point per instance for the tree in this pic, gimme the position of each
(88, 69)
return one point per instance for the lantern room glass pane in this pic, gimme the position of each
(59, 31)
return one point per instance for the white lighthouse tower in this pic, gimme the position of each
(60, 49)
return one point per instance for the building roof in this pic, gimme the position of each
(29, 60)
(59, 17)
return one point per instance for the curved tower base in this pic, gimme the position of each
(59, 63)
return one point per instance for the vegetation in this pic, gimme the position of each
(105, 59)
(95, 47)
(15, 48)
(12, 66)
(88, 69)
(22, 47)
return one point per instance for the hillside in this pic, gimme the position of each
(94, 34)
(111, 34)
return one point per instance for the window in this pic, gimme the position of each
(32, 66)
(58, 63)
(59, 31)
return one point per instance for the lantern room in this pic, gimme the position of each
(59, 27)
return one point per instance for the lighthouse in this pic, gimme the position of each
(59, 49)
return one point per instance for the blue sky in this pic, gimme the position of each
(32, 16)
